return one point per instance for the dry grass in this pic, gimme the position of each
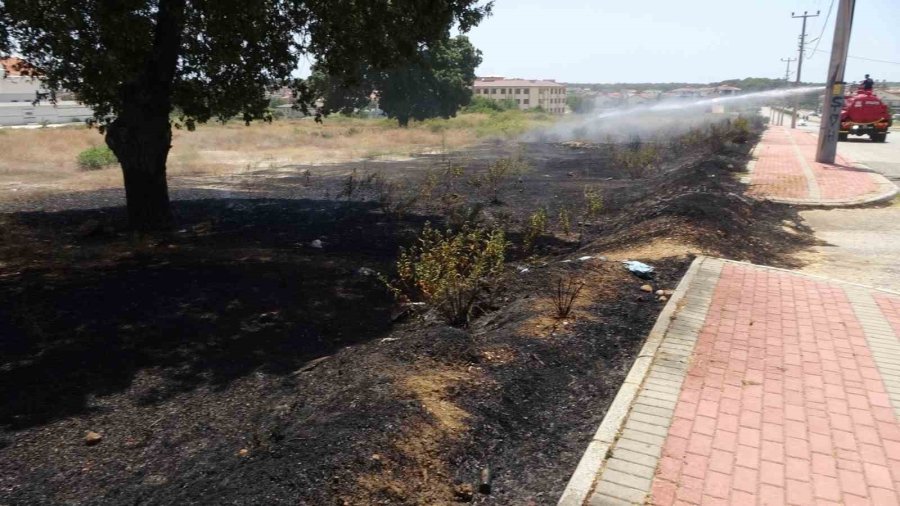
(44, 157)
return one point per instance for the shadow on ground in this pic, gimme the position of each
(243, 290)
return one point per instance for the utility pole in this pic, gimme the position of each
(834, 88)
(787, 70)
(800, 60)
(787, 78)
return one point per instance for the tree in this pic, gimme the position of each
(435, 82)
(580, 104)
(136, 62)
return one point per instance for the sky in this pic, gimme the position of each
(701, 41)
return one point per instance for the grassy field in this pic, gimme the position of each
(49, 156)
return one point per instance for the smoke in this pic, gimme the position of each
(660, 119)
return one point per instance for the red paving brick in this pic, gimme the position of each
(779, 173)
(783, 402)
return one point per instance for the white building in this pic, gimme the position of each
(527, 93)
(18, 93)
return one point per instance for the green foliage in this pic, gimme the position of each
(96, 158)
(486, 105)
(134, 62)
(537, 226)
(565, 221)
(637, 158)
(451, 271)
(740, 130)
(223, 55)
(435, 82)
(579, 104)
(593, 202)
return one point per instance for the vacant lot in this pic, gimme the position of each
(254, 355)
(46, 158)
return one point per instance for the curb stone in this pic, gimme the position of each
(582, 482)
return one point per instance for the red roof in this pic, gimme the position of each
(17, 67)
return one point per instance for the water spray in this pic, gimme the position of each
(671, 115)
(676, 105)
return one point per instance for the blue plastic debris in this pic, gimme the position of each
(639, 269)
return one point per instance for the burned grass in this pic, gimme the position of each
(253, 357)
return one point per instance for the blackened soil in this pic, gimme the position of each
(237, 362)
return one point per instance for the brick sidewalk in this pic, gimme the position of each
(767, 387)
(786, 171)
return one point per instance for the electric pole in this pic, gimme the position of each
(800, 60)
(787, 79)
(787, 70)
(834, 88)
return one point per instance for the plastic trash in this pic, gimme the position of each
(639, 269)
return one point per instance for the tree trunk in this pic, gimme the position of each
(141, 134)
(142, 146)
(403, 120)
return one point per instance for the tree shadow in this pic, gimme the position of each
(239, 289)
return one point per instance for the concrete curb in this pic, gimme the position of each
(583, 479)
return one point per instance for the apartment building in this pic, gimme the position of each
(527, 93)
(19, 87)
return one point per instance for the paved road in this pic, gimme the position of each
(863, 245)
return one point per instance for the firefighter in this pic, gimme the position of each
(868, 83)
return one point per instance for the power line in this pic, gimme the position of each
(864, 58)
(824, 26)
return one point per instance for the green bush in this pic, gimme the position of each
(537, 226)
(482, 104)
(96, 158)
(451, 271)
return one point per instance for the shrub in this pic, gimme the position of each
(451, 271)
(565, 221)
(96, 158)
(740, 130)
(537, 226)
(482, 104)
(637, 158)
(593, 202)
(498, 176)
(567, 290)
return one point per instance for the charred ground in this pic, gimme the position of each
(237, 362)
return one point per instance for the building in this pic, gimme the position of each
(708, 91)
(20, 87)
(527, 93)
(16, 82)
